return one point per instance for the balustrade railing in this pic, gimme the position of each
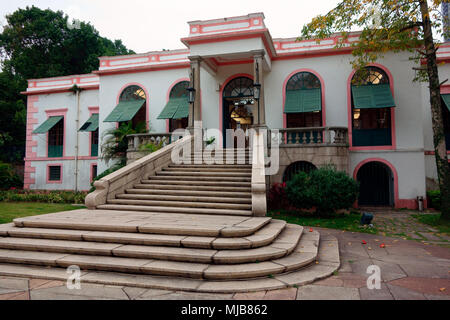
(137, 140)
(314, 136)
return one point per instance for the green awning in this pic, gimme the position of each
(125, 111)
(90, 125)
(446, 98)
(372, 96)
(304, 100)
(48, 124)
(176, 108)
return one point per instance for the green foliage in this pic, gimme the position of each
(325, 189)
(43, 196)
(384, 26)
(151, 147)
(435, 199)
(115, 142)
(38, 43)
(210, 141)
(8, 178)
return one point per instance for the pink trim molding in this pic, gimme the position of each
(349, 112)
(48, 173)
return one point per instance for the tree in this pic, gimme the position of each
(394, 25)
(38, 43)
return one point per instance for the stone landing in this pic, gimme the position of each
(200, 253)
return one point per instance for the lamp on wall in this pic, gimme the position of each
(191, 92)
(257, 96)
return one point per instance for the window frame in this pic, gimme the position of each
(350, 110)
(49, 165)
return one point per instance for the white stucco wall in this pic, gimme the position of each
(56, 101)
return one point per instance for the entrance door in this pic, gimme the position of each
(238, 106)
(376, 185)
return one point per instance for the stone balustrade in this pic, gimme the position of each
(127, 177)
(310, 137)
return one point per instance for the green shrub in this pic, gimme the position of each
(151, 147)
(8, 178)
(434, 197)
(43, 196)
(325, 189)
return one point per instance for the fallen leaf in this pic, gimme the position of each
(369, 248)
(442, 289)
(376, 240)
(364, 242)
(311, 230)
(382, 245)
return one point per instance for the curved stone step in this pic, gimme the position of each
(280, 248)
(185, 205)
(190, 193)
(148, 222)
(122, 207)
(295, 269)
(199, 198)
(263, 237)
(147, 184)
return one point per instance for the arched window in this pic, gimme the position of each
(131, 93)
(131, 108)
(296, 167)
(239, 88)
(303, 105)
(372, 101)
(179, 91)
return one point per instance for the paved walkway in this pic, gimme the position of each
(409, 270)
(402, 224)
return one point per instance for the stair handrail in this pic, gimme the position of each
(125, 178)
(259, 203)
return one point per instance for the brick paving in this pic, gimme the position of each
(409, 270)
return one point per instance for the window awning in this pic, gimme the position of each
(125, 111)
(372, 96)
(48, 124)
(446, 98)
(305, 100)
(176, 108)
(90, 125)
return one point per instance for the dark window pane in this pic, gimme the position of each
(54, 173)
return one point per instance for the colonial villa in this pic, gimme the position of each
(378, 131)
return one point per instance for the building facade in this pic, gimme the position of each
(308, 89)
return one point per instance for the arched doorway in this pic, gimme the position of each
(296, 167)
(376, 185)
(238, 105)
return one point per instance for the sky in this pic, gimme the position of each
(149, 25)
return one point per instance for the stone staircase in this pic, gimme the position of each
(223, 189)
(166, 247)
(171, 226)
